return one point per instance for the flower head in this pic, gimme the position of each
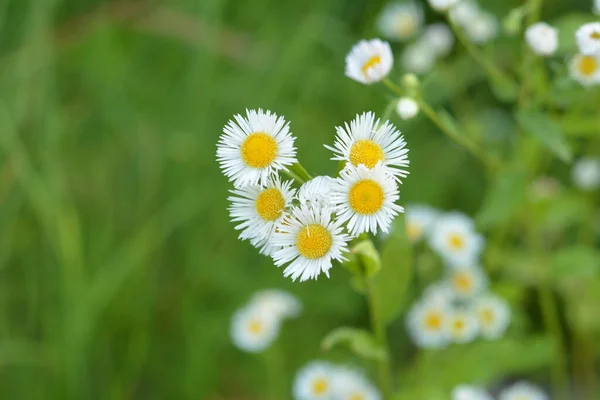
(419, 221)
(317, 191)
(427, 324)
(350, 384)
(462, 326)
(494, 316)
(468, 392)
(314, 381)
(407, 108)
(400, 21)
(440, 293)
(586, 173)
(523, 391)
(454, 238)
(542, 38)
(279, 303)
(585, 69)
(483, 28)
(464, 12)
(440, 38)
(588, 38)
(442, 5)
(253, 329)
(467, 282)
(418, 58)
(369, 61)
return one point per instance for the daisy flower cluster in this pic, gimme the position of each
(459, 308)
(518, 391)
(479, 25)
(255, 326)
(307, 228)
(320, 380)
(585, 65)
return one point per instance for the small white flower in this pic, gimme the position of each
(585, 69)
(426, 323)
(400, 21)
(523, 391)
(467, 282)
(418, 58)
(542, 38)
(407, 108)
(493, 315)
(279, 303)
(366, 141)
(365, 199)
(258, 209)
(314, 381)
(469, 392)
(369, 61)
(588, 38)
(419, 220)
(596, 8)
(439, 36)
(253, 329)
(316, 191)
(309, 238)
(483, 28)
(464, 12)
(253, 148)
(462, 326)
(350, 384)
(442, 5)
(586, 173)
(454, 238)
(440, 293)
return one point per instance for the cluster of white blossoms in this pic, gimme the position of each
(320, 380)
(306, 229)
(256, 325)
(459, 308)
(585, 65)
(480, 26)
(518, 391)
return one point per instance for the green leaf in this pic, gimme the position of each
(576, 261)
(449, 121)
(547, 132)
(503, 199)
(504, 88)
(368, 256)
(359, 341)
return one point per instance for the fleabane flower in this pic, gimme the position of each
(585, 69)
(586, 173)
(454, 238)
(493, 315)
(542, 39)
(464, 12)
(308, 240)
(462, 326)
(467, 282)
(440, 293)
(400, 21)
(365, 141)
(253, 148)
(418, 58)
(419, 220)
(365, 199)
(258, 209)
(316, 191)
(588, 38)
(314, 382)
(407, 108)
(369, 61)
(469, 392)
(442, 5)
(350, 384)
(279, 303)
(440, 38)
(426, 323)
(523, 391)
(483, 28)
(253, 329)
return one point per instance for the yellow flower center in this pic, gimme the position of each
(366, 197)
(357, 396)
(255, 327)
(320, 386)
(486, 316)
(456, 241)
(269, 204)
(463, 282)
(366, 152)
(405, 25)
(458, 325)
(259, 150)
(433, 321)
(371, 62)
(595, 35)
(314, 241)
(413, 231)
(588, 65)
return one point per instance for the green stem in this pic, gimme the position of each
(528, 64)
(272, 359)
(298, 173)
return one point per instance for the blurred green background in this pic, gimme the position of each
(119, 269)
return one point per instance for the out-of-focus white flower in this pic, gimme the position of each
(440, 293)
(442, 5)
(418, 58)
(317, 191)
(493, 315)
(586, 173)
(369, 61)
(467, 282)
(542, 38)
(440, 38)
(469, 392)
(588, 38)
(427, 322)
(454, 238)
(596, 9)
(278, 302)
(483, 28)
(462, 326)
(349, 384)
(400, 21)
(314, 381)
(523, 391)
(464, 12)
(407, 108)
(419, 219)
(253, 329)
(585, 69)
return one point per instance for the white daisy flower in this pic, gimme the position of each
(464, 12)
(259, 209)
(469, 392)
(418, 58)
(454, 238)
(369, 61)
(253, 329)
(426, 323)
(440, 293)
(523, 391)
(542, 39)
(588, 38)
(365, 199)
(439, 36)
(407, 108)
(467, 282)
(419, 220)
(279, 303)
(462, 326)
(314, 382)
(253, 148)
(316, 191)
(586, 173)
(366, 141)
(585, 69)
(263, 246)
(442, 5)
(483, 28)
(400, 21)
(309, 238)
(493, 315)
(352, 385)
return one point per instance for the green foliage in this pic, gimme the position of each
(548, 133)
(359, 341)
